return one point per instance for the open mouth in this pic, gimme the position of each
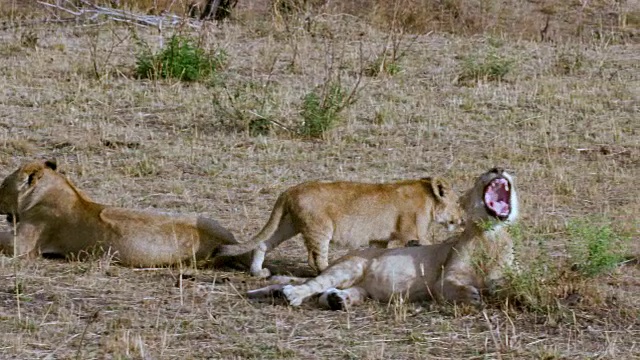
(497, 195)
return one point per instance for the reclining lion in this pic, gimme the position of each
(352, 214)
(52, 217)
(457, 270)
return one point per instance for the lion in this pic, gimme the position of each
(53, 218)
(458, 270)
(352, 214)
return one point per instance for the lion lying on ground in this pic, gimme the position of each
(352, 214)
(52, 217)
(457, 270)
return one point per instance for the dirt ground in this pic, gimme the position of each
(563, 120)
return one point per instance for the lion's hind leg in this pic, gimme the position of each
(267, 291)
(283, 232)
(343, 274)
(336, 299)
(275, 290)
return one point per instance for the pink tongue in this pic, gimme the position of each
(493, 201)
(501, 208)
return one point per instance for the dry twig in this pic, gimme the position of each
(89, 12)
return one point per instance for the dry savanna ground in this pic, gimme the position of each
(559, 110)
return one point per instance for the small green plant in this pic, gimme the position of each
(321, 109)
(530, 284)
(259, 126)
(492, 67)
(29, 39)
(182, 58)
(532, 288)
(248, 106)
(388, 61)
(546, 286)
(570, 62)
(383, 64)
(594, 247)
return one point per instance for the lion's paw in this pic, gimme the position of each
(472, 295)
(493, 286)
(293, 294)
(262, 273)
(334, 299)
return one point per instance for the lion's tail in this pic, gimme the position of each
(267, 231)
(234, 250)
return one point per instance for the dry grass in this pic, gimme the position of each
(564, 120)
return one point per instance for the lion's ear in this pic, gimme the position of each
(51, 164)
(439, 187)
(33, 173)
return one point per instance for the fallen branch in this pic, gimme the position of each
(89, 12)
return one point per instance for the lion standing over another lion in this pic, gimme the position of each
(352, 214)
(53, 217)
(457, 270)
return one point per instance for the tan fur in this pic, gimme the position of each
(55, 218)
(457, 270)
(352, 214)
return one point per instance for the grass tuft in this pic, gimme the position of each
(383, 64)
(564, 121)
(492, 67)
(547, 286)
(321, 109)
(595, 248)
(181, 58)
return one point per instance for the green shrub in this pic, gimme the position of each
(246, 106)
(492, 67)
(595, 248)
(180, 58)
(546, 286)
(320, 110)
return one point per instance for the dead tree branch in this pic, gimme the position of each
(89, 12)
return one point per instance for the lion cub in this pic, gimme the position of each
(53, 217)
(352, 214)
(456, 270)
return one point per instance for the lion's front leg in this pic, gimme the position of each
(496, 280)
(23, 242)
(6, 243)
(460, 289)
(342, 274)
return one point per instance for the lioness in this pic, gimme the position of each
(352, 214)
(456, 270)
(54, 218)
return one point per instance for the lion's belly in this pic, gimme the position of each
(154, 249)
(395, 275)
(358, 231)
(154, 239)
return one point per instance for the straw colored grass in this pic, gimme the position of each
(563, 119)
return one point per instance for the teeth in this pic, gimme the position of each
(506, 186)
